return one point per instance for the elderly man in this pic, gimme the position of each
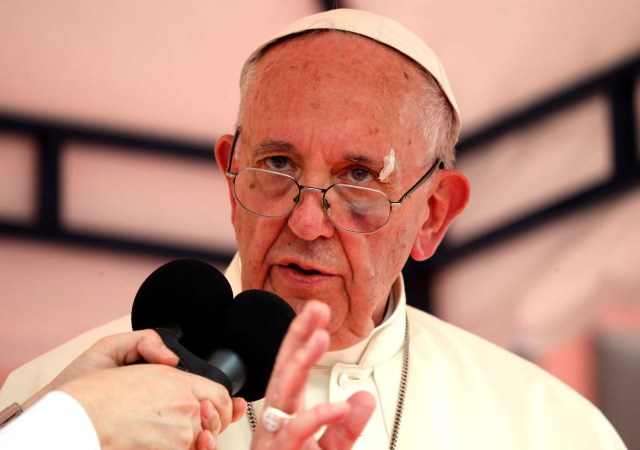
(341, 169)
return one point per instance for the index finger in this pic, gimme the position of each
(315, 315)
(303, 345)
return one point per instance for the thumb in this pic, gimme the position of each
(154, 351)
(344, 434)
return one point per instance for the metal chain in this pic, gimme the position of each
(251, 415)
(402, 392)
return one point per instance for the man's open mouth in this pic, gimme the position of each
(304, 271)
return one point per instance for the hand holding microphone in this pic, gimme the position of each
(150, 406)
(156, 406)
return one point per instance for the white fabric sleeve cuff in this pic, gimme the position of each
(56, 422)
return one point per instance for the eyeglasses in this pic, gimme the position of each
(355, 209)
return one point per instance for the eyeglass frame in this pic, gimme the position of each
(437, 164)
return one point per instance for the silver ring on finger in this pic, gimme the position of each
(273, 419)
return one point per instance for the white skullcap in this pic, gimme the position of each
(378, 28)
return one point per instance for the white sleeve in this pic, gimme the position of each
(56, 422)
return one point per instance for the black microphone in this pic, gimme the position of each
(185, 294)
(232, 342)
(254, 328)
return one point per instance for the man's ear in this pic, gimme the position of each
(448, 198)
(222, 153)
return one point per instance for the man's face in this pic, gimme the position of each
(327, 109)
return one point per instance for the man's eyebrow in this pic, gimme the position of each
(271, 145)
(362, 159)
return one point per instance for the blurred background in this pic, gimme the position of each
(109, 112)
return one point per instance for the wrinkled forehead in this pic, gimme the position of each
(334, 57)
(337, 43)
(372, 26)
(337, 54)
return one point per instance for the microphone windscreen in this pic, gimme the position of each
(254, 328)
(186, 292)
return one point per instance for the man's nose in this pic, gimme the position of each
(308, 220)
